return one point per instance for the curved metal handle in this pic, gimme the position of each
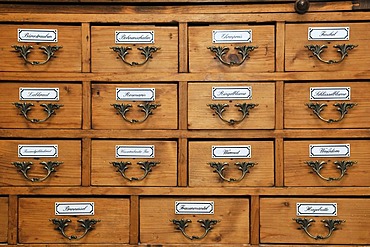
(242, 166)
(330, 224)
(343, 108)
(342, 49)
(220, 52)
(146, 51)
(122, 166)
(49, 108)
(220, 108)
(24, 166)
(341, 165)
(146, 108)
(86, 224)
(207, 224)
(25, 50)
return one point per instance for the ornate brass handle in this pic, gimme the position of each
(24, 50)
(146, 108)
(24, 166)
(330, 224)
(49, 108)
(220, 52)
(86, 224)
(122, 166)
(242, 166)
(341, 165)
(343, 108)
(146, 51)
(342, 49)
(207, 224)
(220, 108)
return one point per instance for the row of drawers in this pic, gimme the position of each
(211, 49)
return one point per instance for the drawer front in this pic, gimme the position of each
(160, 101)
(54, 105)
(36, 220)
(231, 217)
(249, 163)
(66, 58)
(3, 219)
(252, 107)
(278, 220)
(151, 163)
(351, 110)
(298, 57)
(107, 59)
(40, 163)
(203, 51)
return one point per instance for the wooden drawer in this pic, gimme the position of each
(152, 163)
(203, 59)
(298, 114)
(278, 224)
(258, 111)
(67, 110)
(163, 108)
(231, 214)
(250, 163)
(66, 59)
(36, 214)
(16, 155)
(106, 59)
(3, 219)
(298, 57)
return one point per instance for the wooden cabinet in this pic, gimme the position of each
(4, 219)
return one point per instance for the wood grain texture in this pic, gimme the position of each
(4, 219)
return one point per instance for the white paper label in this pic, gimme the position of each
(330, 93)
(222, 93)
(194, 207)
(74, 208)
(51, 94)
(37, 35)
(36, 151)
(134, 37)
(330, 150)
(135, 151)
(132, 94)
(317, 209)
(232, 36)
(328, 33)
(244, 151)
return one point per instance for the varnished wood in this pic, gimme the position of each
(255, 219)
(182, 167)
(280, 43)
(279, 162)
(183, 48)
(4, 220)
(86, 162)
(134, 219)
(13, 219)
(85, 47)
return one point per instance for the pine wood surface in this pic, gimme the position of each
(3, 219)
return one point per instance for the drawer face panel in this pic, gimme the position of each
(66, 59)
(300, 58)
(261, 59)
(67, 110)
(35, 216)
(278, 224)
(3, 219)
(163, 111)
(158, 170)
(259, 111)
(206, 159)
(63, 169)
(354, 114)
(157, 215)
(105, 59)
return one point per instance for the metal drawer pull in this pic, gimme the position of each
(330, 224)
(219, 168)
(207, 224)
(220, 108)
(342, 49)
(24, 50)
(343, 108)
(122, 166)
(341, 165)
(87, 224)
(242, 50)
(146, 51)
(124, 108)
(24, 166)
(24, 108)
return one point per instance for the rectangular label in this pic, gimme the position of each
(132, 94)
(317, 209)
(243, 151)
(222, 93)
(135, 151)
(330, 150)
(38, 35)
(35, 151)
(231, 36)
(134, 37)
(330, 93)
(328, 33)
(51, 94)
(194, 207)
(74, 208)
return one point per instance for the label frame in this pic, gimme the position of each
(151, 90)
(138, 41)
(333, 212)
(246, 156)
(246, 88)
(216, 40)
(52, 146)
(25, 89)
(148, 156)
(81, 212)
(179, 203)
(51, 40)
(312, 154)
